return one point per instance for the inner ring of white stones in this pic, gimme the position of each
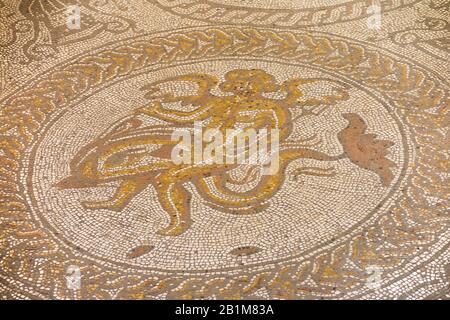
(296, 222)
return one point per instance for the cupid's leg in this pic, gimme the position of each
(174, 200)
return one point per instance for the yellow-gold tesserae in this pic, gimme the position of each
(347, 102)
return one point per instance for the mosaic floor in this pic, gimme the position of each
(91, 206)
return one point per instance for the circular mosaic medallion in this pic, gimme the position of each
(86, 160)
(294, 209)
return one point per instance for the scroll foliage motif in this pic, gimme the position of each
(216, 12)
(42, 29)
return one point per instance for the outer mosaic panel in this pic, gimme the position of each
(93, 207)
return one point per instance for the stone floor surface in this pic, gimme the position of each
(93, 207)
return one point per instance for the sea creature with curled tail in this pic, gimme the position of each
(135, 154)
